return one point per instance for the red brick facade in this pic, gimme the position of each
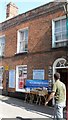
(11, 10)
(40, 53)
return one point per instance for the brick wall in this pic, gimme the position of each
(39, 44)
(40, 53)
(11, 10)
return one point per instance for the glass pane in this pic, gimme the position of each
(65, 43)
(60, 30)
(63, 25)
(0, 50)
(58, 37)
(22, 71)
(57, 30)
(64, 29)
(60, 44)
(26, 46)
(2, 45)
(21, 35)
(23, 41)
(58, 64)
(63, 36)
(63, 22)
(57, 24)
(26, 35)
(21, 46)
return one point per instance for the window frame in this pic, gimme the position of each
(3, 51)
(18, 40)
(17, 76)
(53, 33)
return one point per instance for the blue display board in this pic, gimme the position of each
(36, 84)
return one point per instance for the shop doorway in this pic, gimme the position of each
(63, 75)
(59, 65)
(64, 79)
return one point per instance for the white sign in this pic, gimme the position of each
(38, 74)
(12, 79)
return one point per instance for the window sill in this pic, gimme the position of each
(1, 56)
(1, 87)
(21, 53)
(60, 46)
(57, 48)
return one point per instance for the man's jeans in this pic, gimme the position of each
(58, 112)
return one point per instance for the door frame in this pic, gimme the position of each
(55, 68)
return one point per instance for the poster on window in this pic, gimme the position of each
(21, 83)
(21, 78)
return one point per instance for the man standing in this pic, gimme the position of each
(59, 91)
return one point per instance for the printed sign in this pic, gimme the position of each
(38, 74)
(6, 67)
(37, 83)
(21, 83)
(12, 79)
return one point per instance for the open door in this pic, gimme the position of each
(63, 75)
(64, 79)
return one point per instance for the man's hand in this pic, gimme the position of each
(46, 103)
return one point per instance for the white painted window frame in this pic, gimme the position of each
(53, 31)
(17, 89)
(18, 39)
(2, 54)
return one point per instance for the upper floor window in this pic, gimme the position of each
(59, 33)
(22, 45)
(2, 45)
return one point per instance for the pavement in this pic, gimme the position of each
(38, 109)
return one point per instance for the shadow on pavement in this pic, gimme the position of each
(40, 109)
(20, 118)
(17, 118)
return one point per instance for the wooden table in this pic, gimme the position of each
(42, 93)
(38, 94)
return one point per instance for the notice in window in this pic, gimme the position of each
(21, 83)
(38, 74)
(12, 79)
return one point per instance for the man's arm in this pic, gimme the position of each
(49, 98)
